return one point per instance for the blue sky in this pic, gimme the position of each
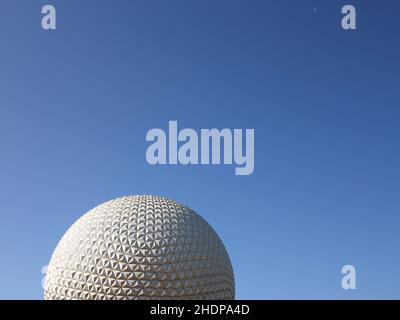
(76, 104)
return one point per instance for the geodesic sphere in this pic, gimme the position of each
(140, 247)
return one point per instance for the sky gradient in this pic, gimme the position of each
(76, 104)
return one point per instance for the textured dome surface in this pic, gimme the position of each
(140, 247)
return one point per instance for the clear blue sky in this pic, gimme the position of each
(76, 103)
